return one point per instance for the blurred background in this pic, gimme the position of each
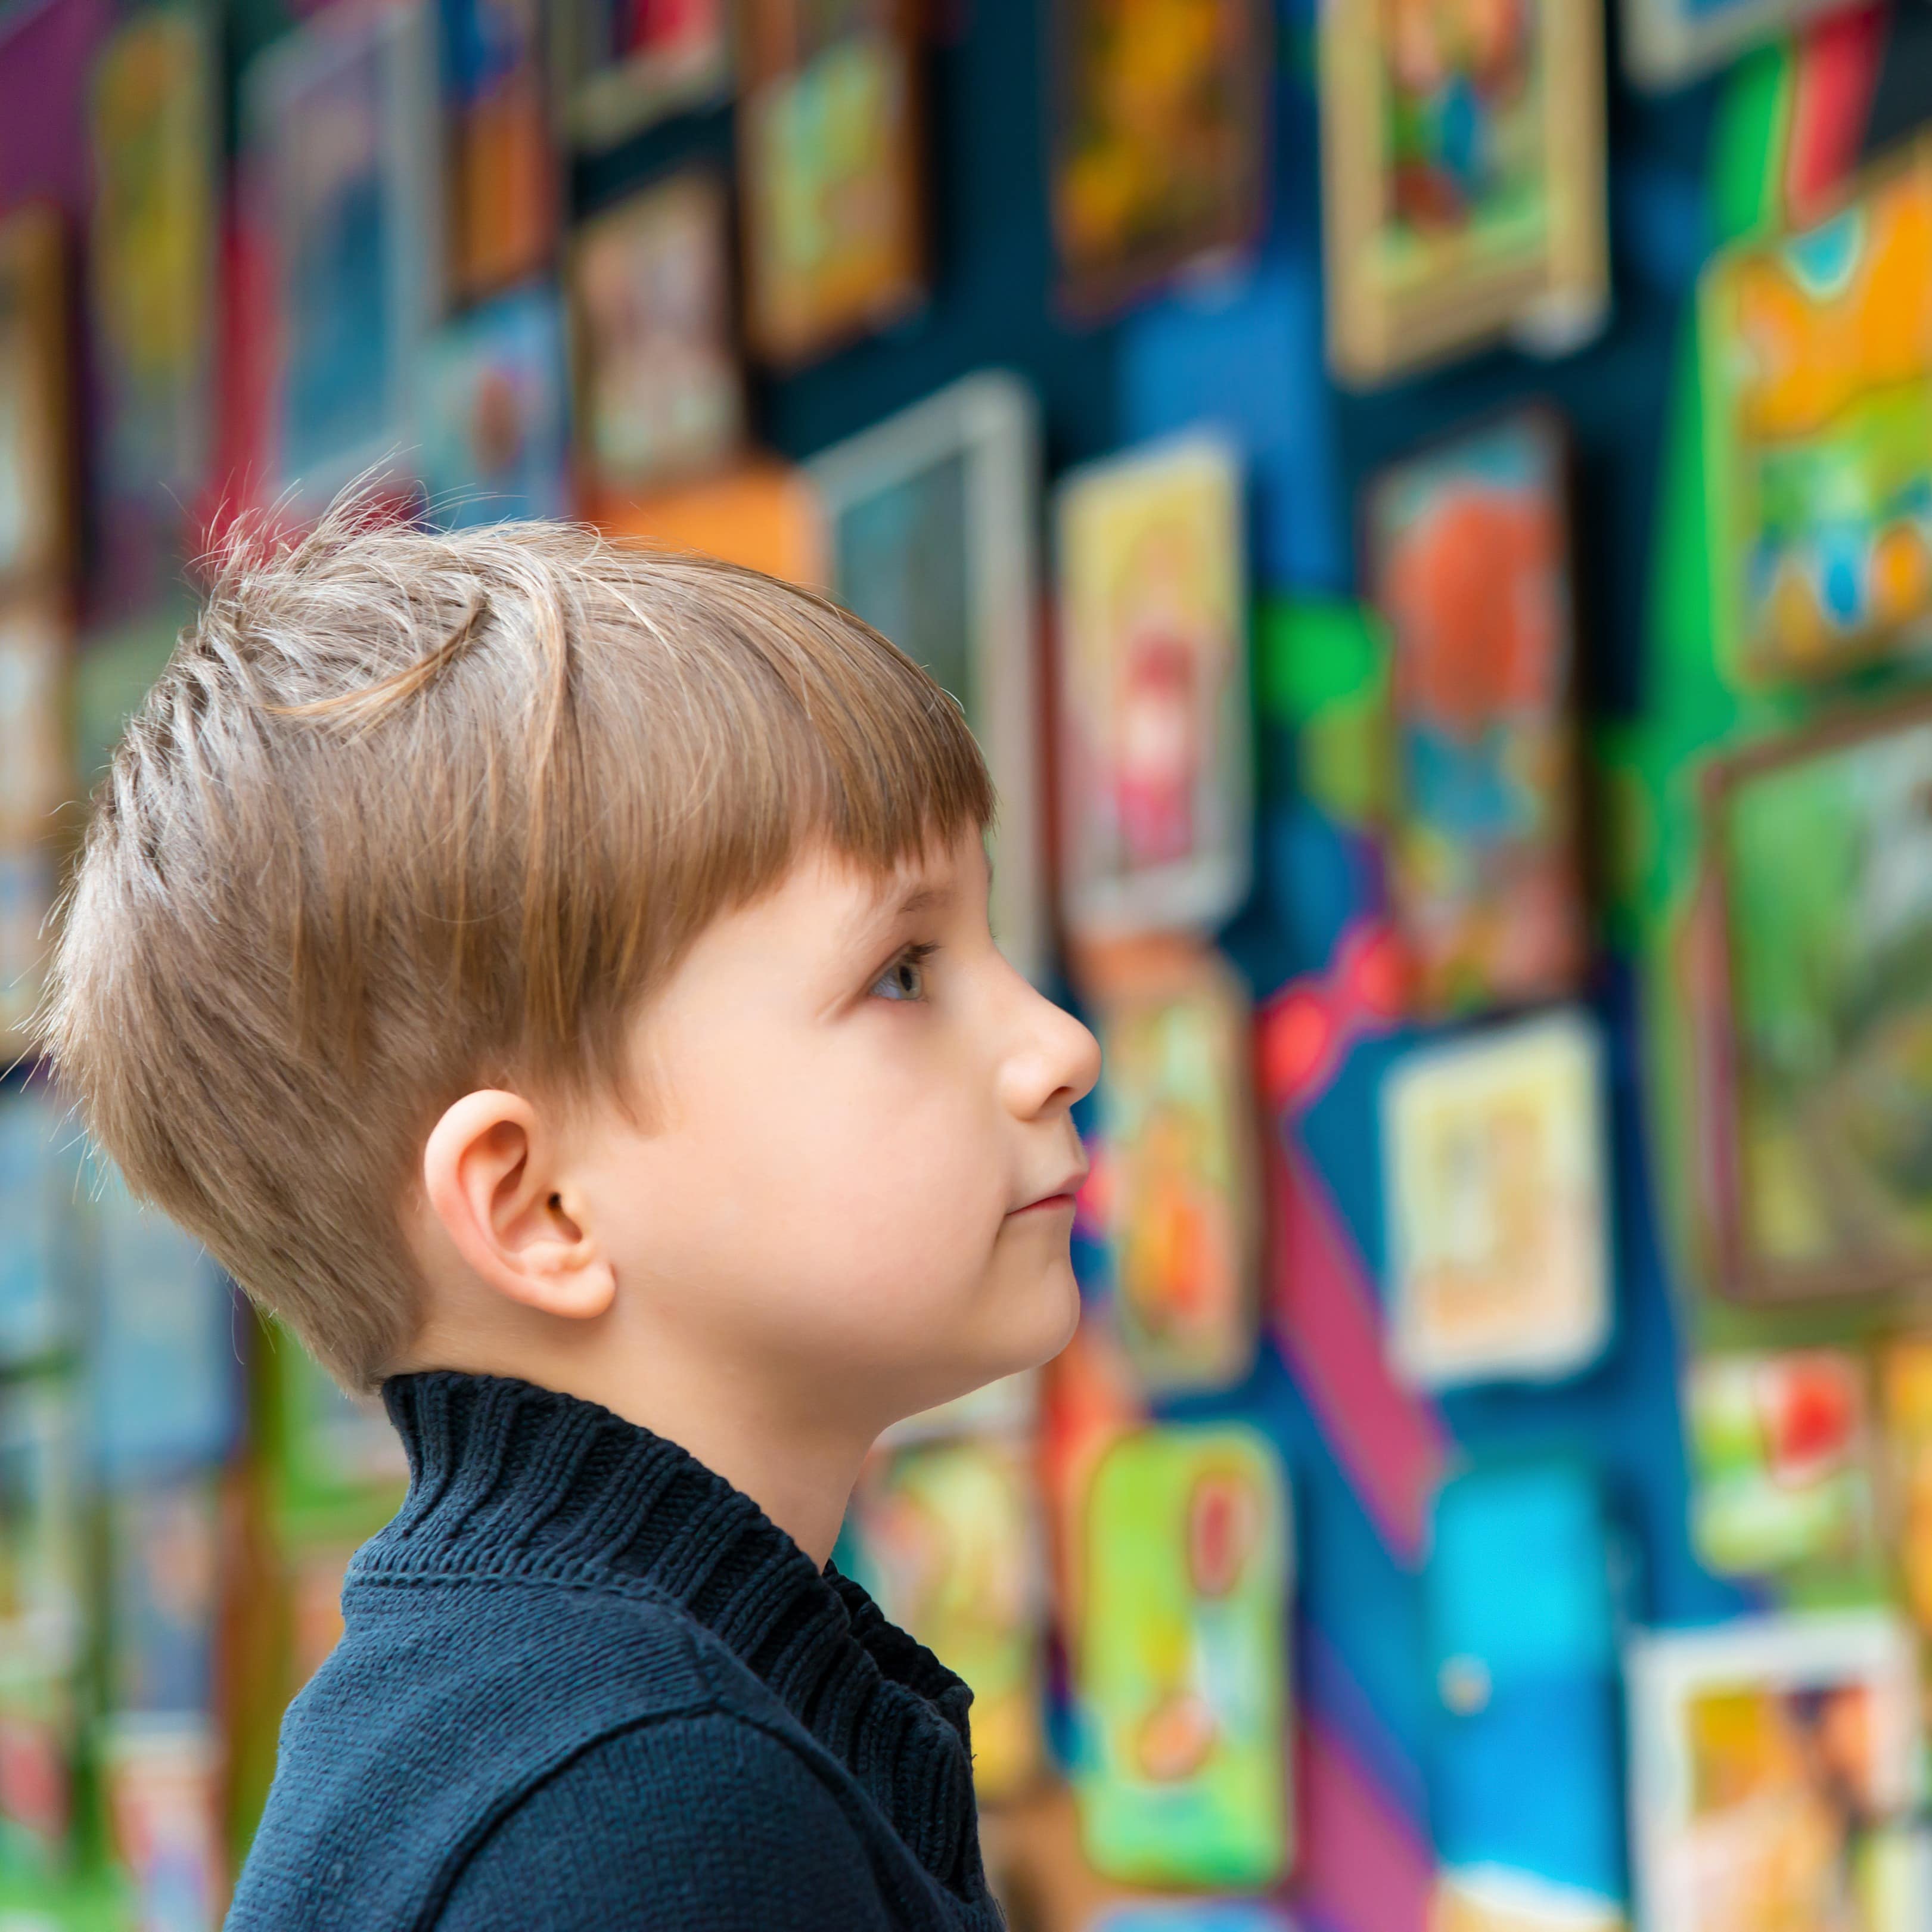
(1428, 506)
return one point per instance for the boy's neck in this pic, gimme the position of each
(800, 1472)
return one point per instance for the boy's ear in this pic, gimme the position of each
(489, 1177)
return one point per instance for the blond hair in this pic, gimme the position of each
(409, 813)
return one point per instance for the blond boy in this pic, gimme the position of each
(555, 981)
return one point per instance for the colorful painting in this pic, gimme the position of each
(829, 164)
(1180, 1661)
(165, 1544)
(37, 535)
(1177, 1141)
(40, 1602)
(162, 1781)
(1668, 42)
(1468, 560)
(660, 395)
(1159, 129)
(1495, 1176)
(930, 520)
(1462, 177)
(506, 189)
(34, 777)
(1773, 1769)
(346, 163)
(1817, 373)
(1905, 1409)
(495, 437)
(626, 64)
(150, 239)
(1156, 770)
(1781, 1451)
(761, 513)
(1818, 1103)
(948, 1535)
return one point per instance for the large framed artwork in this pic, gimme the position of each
(1816, 353)
(931, 529)
(342, 129)
(1462, 177)
(829, 170)
(1159, 127)
(1156, 768)
(1468, 560)
(1817, 1099)
(660, 396)
(505, 187)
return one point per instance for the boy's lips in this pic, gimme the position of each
(1061, 1195)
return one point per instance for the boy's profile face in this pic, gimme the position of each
(852, 1188)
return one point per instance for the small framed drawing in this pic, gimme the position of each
(37, 502)
(151, 286)
(949, 1541)
(1818, 1101)
(1774, 1767)
(1781, 1452)
(1498, 1235)
(623, 65)
(1469, 561)
(1668, 42)
(1462, 180)
(35, 661)
(830, 165)
(1816, 359)
(494, 440)
(1177, 1131)
(1181, 1660)
(506, 186)
(1156, 769)
(340, 120)
(931, 527)
(1159, 165)
(660, 395)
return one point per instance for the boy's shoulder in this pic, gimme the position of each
(450, 1701)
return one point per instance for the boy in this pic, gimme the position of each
(555, 981)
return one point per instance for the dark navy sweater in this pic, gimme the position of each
(585, 1683)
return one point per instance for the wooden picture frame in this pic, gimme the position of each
(1432, 256)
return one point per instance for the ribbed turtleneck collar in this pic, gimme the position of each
(507, 1478)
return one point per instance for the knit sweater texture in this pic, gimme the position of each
(585, 1684)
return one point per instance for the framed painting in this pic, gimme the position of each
(506, 188)
(830, 165)
(1494, 1173)
(660, 395)
(1817, 1093)
(761, 512)
(41, 1608)
(1781, 1452)
(164, 1576)
(1176, 1139)
(623, 65)
(949, 1539)
(1180, 1660)
(151, 248)
(1160, 147)
(1469, 561)
(1666, 43)
(931, 528)
(36, 480)
(1462, 178)
(341, 124)
(1773, 1771)
(162, 1779)
(1816, 355)
(1156, 768)
(495, 438)
(35, 661)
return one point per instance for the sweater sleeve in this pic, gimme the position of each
(704, 1820)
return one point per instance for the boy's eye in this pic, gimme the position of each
(905, 978)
